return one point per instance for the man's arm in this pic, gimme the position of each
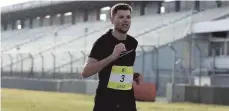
(93, 66)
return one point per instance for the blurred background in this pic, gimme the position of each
(180, 42)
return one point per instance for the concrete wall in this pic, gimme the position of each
(31, 84)
(76, 86)
(195, 94)
(40, 75)
(199, 94)
(175, 93)
(71, 86)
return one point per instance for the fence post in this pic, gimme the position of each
(200, 57)
(54, 64)
(11, 64)
(143, 58)
(20, 55)
(84, 56)
(174, 63)
(71, 61)
(214, 57)
(200, 76)
(1, 64)
(85, 39)
(157, 70)
(32, 64)
(42, 64)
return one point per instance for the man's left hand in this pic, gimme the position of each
(138, 78)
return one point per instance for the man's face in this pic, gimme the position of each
(121, 20)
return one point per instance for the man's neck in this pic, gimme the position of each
(118, 35)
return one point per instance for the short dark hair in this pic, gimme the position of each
(120, 6)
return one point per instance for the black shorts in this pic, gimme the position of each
(105, 106)
(108, 104)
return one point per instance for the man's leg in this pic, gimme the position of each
(128, 106)
(104, 105)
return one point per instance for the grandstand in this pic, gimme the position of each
(43, 39)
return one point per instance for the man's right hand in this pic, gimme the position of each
(119, 48)
(93, 66)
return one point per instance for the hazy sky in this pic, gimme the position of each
(11, 2)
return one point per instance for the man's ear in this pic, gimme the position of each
(112, 19)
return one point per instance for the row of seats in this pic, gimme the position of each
(174, 31)
(180, 29)
(60, 40)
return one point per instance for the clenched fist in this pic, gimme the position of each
(138, 78)
(119, 48)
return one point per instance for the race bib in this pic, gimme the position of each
(121, 78)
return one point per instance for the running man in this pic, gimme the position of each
(112, 57)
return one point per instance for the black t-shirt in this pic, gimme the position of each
(102, 48)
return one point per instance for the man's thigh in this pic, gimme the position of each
(109, 107)
(130, 106)
(104, 107)
(103, 104)
(111, 104)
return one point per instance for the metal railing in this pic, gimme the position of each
(58, 45)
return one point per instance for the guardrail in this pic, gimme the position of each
(198, 94)
(66, 85)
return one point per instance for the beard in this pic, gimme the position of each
(121, 30)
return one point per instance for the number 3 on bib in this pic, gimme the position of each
(121, 78)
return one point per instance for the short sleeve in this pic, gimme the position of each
(96, 51)
(136, 44)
